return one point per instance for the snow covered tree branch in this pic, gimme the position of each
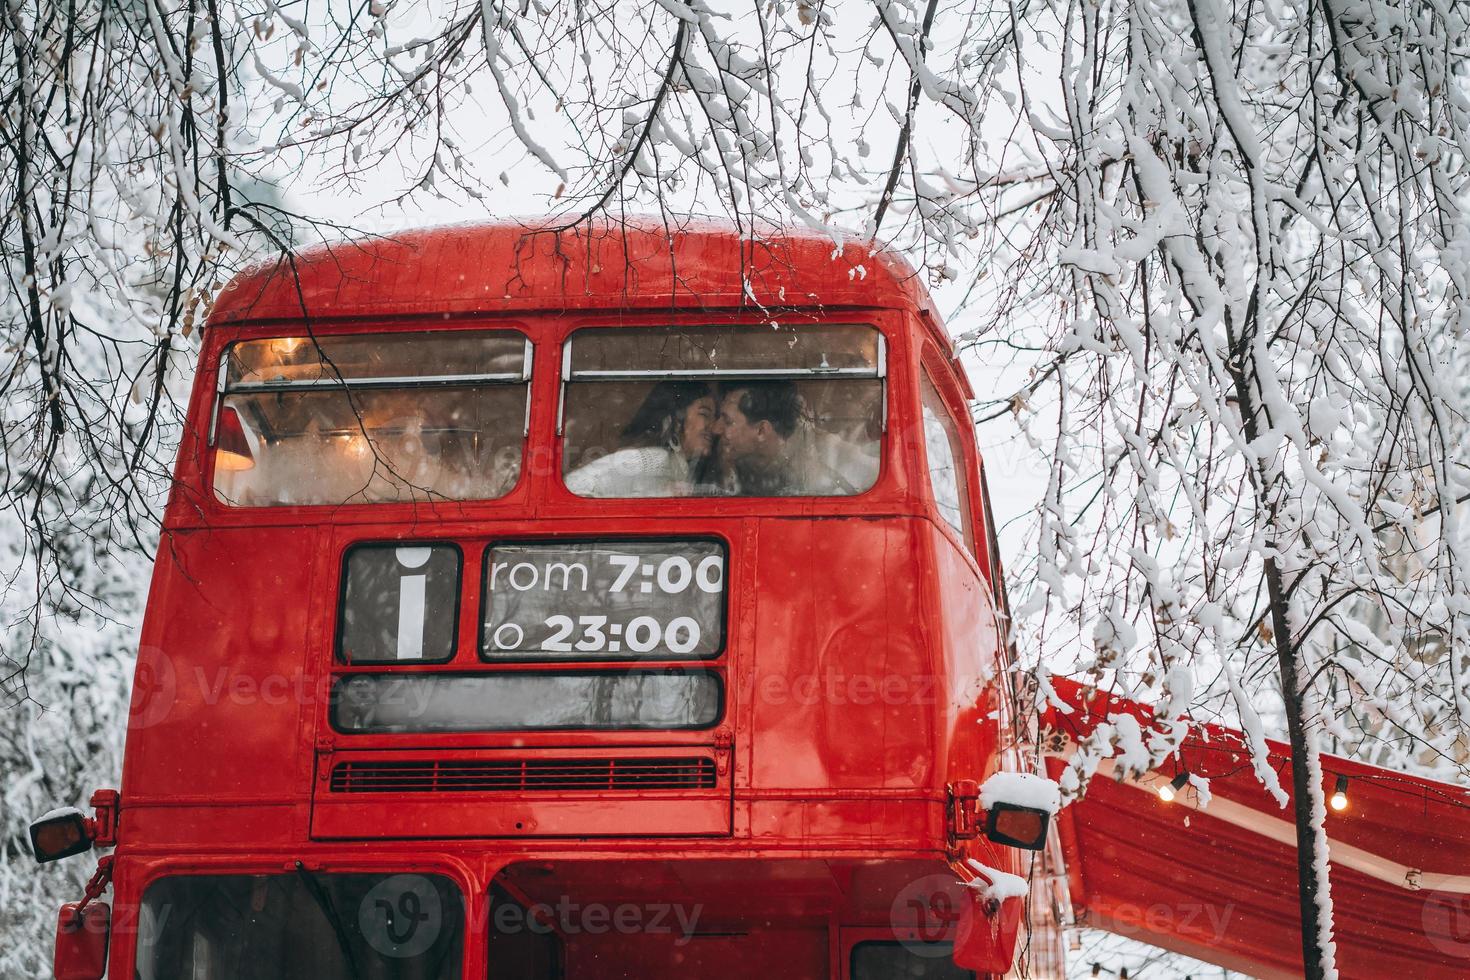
(1259, 239)
(1230, 236)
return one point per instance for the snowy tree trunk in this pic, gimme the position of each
(1308, 806)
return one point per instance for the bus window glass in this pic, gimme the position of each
(919, 960)
(946, 456)
(520, 942)
(399, 603)
(371, 418)
(303, 926)
(604, 600)
(517, 701)
(755, 411)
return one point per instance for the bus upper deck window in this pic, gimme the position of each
(755, 411)
(946, 456)
(370, 418)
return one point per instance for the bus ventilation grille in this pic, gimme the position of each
(522, 775)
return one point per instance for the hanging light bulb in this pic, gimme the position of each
(1339, 800)
(1169, 790)
(286, 346)
(357, 446)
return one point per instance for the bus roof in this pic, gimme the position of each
(528, 266)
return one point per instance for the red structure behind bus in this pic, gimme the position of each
(596, 603)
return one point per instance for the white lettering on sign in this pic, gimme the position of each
(626, 566)
(566, 570)
(592, 600)
(412, 590)
(502, 639)
(528, 567)
(571, 573)
(711, 574)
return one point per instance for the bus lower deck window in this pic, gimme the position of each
(914, 959)
(754, 411)
(371, 418)
(307, 925)
(526, 701)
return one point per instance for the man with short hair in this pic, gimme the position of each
(771, 449)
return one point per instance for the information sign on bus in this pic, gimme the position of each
(604, 600)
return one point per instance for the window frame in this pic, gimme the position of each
(691, 668)
(878, 372)
(222, 388)
(176, 868)
(881, 372)
(340, 621)
(526, 657)
(853, 952)
(943, 385)
(466, 660)
(558, 965)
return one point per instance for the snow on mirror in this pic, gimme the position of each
(371, 418)
(1018, 808)
(1022, 789)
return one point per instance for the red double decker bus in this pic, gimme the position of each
(603, 602)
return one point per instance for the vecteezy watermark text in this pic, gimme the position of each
(1165, 918)
(838, 687)
(569, 918)
(1446, 920)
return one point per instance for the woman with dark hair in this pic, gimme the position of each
(665, 447)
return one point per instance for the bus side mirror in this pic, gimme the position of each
(61, 833)
(81, 941)
(1017, 826)
(985, 939)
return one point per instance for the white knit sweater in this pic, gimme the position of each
(645, 471)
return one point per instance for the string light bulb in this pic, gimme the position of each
(1169, 790)
(1339, 800)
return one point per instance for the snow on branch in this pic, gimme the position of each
(995, 885)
